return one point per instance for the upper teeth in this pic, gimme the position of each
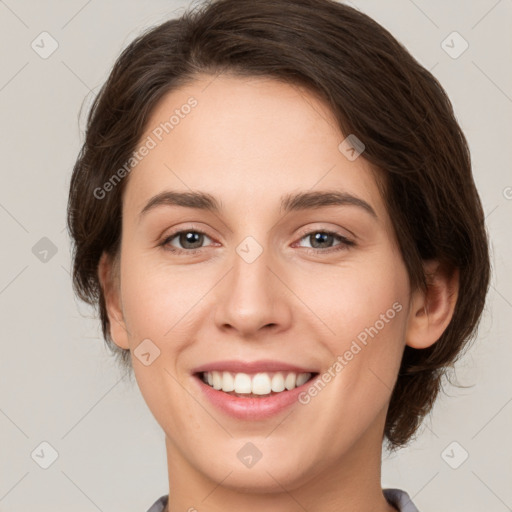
(259, 383)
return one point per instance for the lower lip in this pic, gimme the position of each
(252, 408)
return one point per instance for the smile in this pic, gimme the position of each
(256, 385)
(252, 390)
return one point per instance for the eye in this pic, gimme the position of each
(189, 241)
(321, 240)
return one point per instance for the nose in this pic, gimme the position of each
(253, 297)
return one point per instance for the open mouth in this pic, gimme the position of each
(256, 385)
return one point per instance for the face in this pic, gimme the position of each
(268, 283)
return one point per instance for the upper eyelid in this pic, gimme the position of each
(304, 230)
(333, 231)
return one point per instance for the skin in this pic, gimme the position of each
(248, 142)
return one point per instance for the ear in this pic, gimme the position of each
(109, 277)
(432, 310)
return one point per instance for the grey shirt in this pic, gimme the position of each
(396, 497)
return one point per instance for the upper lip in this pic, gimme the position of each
(251, 367)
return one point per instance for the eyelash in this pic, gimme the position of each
(345, 242)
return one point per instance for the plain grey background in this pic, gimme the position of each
(58, 384)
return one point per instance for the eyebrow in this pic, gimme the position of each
(289, 202)
(320, 199)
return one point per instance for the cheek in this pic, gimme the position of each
(157, 299)
(158, 306)
(364, 309)
(366, 312)
(351, 298)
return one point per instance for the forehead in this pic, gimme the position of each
(246, 140)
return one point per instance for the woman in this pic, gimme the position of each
(275, 214)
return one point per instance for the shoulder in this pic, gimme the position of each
(400, 499)
(396, 497)
(159, 504)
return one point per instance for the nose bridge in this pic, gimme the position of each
(251, 268)
(251, 297)
(251, 277)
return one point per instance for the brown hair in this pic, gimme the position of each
(376, 90)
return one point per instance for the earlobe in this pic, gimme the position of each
(432, 310)
(108, 275)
